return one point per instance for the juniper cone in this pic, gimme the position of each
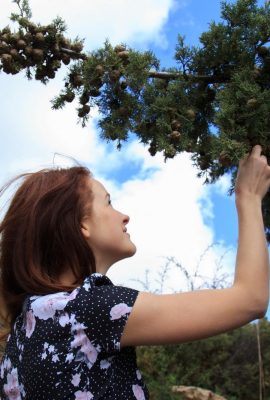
(217, 92)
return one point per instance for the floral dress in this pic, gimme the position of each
(66, 345)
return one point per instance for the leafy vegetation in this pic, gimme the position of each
(227, 364)
(213, 102)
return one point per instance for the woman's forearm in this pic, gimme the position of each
(252, 261)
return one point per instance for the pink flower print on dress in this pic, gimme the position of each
(30, 323)
(76, 379)
(51, 348)
(44, 307)
(87, 286)
(55, 358)
(6, 365)
(86, 347)
(138, 392)
(119, 310)
(83, 395)
(12, 387)
(66, 319)
(69, 358)
(139, 375)
(104, 364)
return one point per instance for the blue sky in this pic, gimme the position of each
(172, 212)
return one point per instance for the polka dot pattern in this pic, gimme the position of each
(67, 346)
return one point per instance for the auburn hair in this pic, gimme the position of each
(40, 237)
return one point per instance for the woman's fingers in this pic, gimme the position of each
(264, 159)
(256, 150)
(253, 175)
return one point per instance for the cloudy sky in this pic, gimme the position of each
(172, 214)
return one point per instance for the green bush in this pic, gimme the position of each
(227, 364)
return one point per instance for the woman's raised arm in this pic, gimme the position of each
(176, 318)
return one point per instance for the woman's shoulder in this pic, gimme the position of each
(45, 306)
(90, 282)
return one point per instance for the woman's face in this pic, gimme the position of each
(105, 230)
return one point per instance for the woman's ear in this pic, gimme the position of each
(85, 229)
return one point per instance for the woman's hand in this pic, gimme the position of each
(253, 178)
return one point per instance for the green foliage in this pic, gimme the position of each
(227, 364)
(214, 102)
(25, 11)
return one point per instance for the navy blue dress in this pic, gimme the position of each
(66, 345)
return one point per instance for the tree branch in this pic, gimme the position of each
(164, 75)
(73, 53)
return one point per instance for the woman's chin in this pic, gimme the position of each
(134, 249)
(131, 251)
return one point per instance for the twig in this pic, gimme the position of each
(188, 77)
(81, 56)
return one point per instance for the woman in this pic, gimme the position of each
(72, 332)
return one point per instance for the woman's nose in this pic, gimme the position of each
(126, 219)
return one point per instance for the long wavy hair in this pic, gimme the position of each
(41, 238)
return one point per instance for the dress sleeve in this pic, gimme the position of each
(104, 311)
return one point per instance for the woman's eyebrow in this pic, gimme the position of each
(107, 195)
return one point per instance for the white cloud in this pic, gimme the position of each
(223, 185)
(119, 20)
